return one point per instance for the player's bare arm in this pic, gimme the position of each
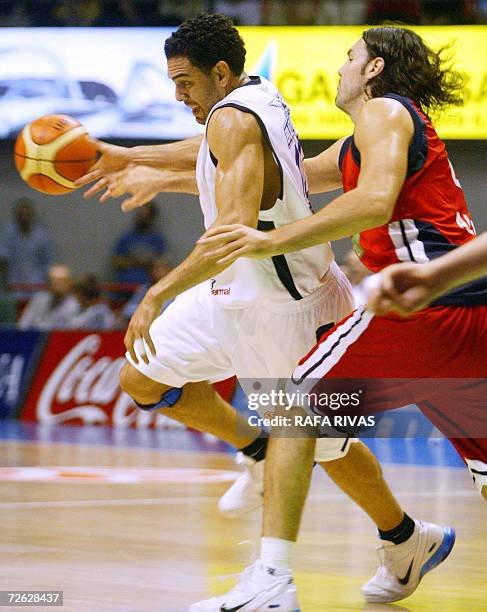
(322, 171)
(235, 140)
(143, 183)
(409, 287)
(145, 171)
(383, 134)
(176, 156)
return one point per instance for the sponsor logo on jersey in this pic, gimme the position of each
(220, 291)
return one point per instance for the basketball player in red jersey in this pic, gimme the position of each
(402, 203)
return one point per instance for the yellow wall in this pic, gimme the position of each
(304, 61)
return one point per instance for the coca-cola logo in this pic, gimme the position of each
(84, 386)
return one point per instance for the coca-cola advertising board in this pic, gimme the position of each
(19, 355)
(77, 383)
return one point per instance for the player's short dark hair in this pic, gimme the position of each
(412, 69)
(207, 39)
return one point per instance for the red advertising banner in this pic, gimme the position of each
(77, 383)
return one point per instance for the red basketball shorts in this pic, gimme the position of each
(436, 358)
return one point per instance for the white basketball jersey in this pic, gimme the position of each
(283, 278)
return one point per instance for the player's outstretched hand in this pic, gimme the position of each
(137, 336)
(226, 243)
(403, 288)
(139, 181)
(112, 158)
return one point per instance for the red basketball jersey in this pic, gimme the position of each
(430, 217)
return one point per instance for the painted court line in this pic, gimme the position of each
(174, 501)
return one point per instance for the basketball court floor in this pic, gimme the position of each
(127, 521)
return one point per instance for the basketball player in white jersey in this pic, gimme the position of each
(254, 318)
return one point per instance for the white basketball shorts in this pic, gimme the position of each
(197, 340)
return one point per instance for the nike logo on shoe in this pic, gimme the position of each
(405, 580)
(236, 608)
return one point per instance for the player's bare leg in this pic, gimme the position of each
(289, 463)
(359, 475)
(200, 407)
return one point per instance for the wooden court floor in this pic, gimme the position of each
(144, 545)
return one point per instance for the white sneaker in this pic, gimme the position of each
(247, 492)
(260, 589)
(403, 565)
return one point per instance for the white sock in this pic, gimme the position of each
(276, 553)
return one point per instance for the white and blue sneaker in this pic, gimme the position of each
(260, 589)
(402, 566)
(247, 492)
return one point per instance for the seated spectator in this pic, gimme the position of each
(25, 246)
(159, 269)
(137, 249)
(54, 308)
(94, 312)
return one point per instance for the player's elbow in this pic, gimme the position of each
(379, 206)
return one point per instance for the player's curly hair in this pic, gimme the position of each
(412, 69)
(207, 39)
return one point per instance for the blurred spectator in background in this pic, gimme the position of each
(358, 275)
(481, 11)
(313, 12)
(7, 307)
(73, 13)
(405, 11)
(284, 12)
(41, 13)
(449, 12)
(25, 246)
(136, 249)
(174, 12)
(158, 270)
(341, 12)
(54, 308)
(94, 312)
(13, 14)
(241, 12)
(124, 13)
(113, 13)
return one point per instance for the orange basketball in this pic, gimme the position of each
(52, 152)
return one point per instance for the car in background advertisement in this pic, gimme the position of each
(113, 80)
